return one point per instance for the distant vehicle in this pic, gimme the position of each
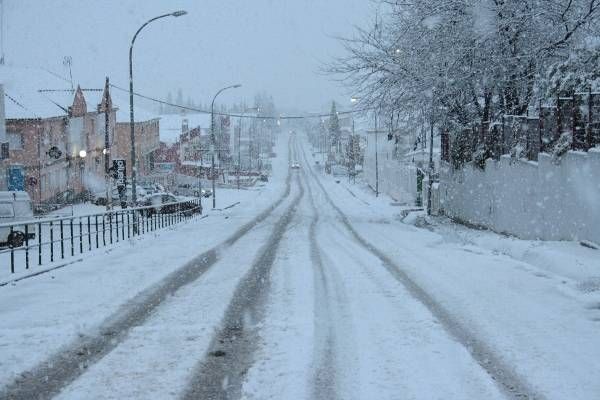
(15, 207)
(166, 203)
(206, 192)
(295, 166)
(338, 170)
(264, 178)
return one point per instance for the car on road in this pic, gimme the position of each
(295, 165)
(339, 170)
(15, 207)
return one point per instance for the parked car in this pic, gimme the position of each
(186, 189)
(339, 170)
(295, 165)
(166, 203)
(152, 188)
(15, 207)
(206, 192)
(100, 198)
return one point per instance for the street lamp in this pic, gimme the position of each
(212, 138)
(132, 131)
(81, 162)
(239, 142)
(376, 132)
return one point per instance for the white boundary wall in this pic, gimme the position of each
(396, 179)
(531, 200)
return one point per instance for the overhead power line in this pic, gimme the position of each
(282, 117)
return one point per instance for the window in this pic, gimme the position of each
(15, 140)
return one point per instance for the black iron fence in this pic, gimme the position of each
(24, 244)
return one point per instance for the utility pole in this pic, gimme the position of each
(239, 166)
(2, 32)
(376, 159)
(376, 132)
(4, 142)
(431, 164)
(239, 142)
(200, 169)
(107, 177)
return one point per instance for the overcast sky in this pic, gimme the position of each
(272, 45)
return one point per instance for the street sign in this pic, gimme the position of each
(16, 178)
(32, 181)
(120, 171)
(54, 152)
(119, 168)
(164, 167)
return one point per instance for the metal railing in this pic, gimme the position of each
(48, 240)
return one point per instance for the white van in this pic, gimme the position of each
(15, 207)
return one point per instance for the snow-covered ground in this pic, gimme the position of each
(41, 314)
(536, 304)
(336, 294)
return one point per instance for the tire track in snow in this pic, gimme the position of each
(221, 373)
(47, 379)
(509, 382)
(324, 384)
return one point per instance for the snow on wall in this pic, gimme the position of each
(397, 178)
(532, 200)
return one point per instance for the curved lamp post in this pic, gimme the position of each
(257, 109)
(212, 138)
(132, 131)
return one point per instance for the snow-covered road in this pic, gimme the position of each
(337, 326)
(324, 295)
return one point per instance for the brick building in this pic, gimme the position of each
(55, 133)
(147, 142)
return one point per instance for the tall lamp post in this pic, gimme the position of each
(376, 132)
(212, 138)
(132, 131)
(239, 142)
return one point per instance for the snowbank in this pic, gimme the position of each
(542, 200)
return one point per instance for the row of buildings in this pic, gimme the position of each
(53, 134)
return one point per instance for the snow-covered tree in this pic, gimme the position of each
(465, 63)
(335, 131)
